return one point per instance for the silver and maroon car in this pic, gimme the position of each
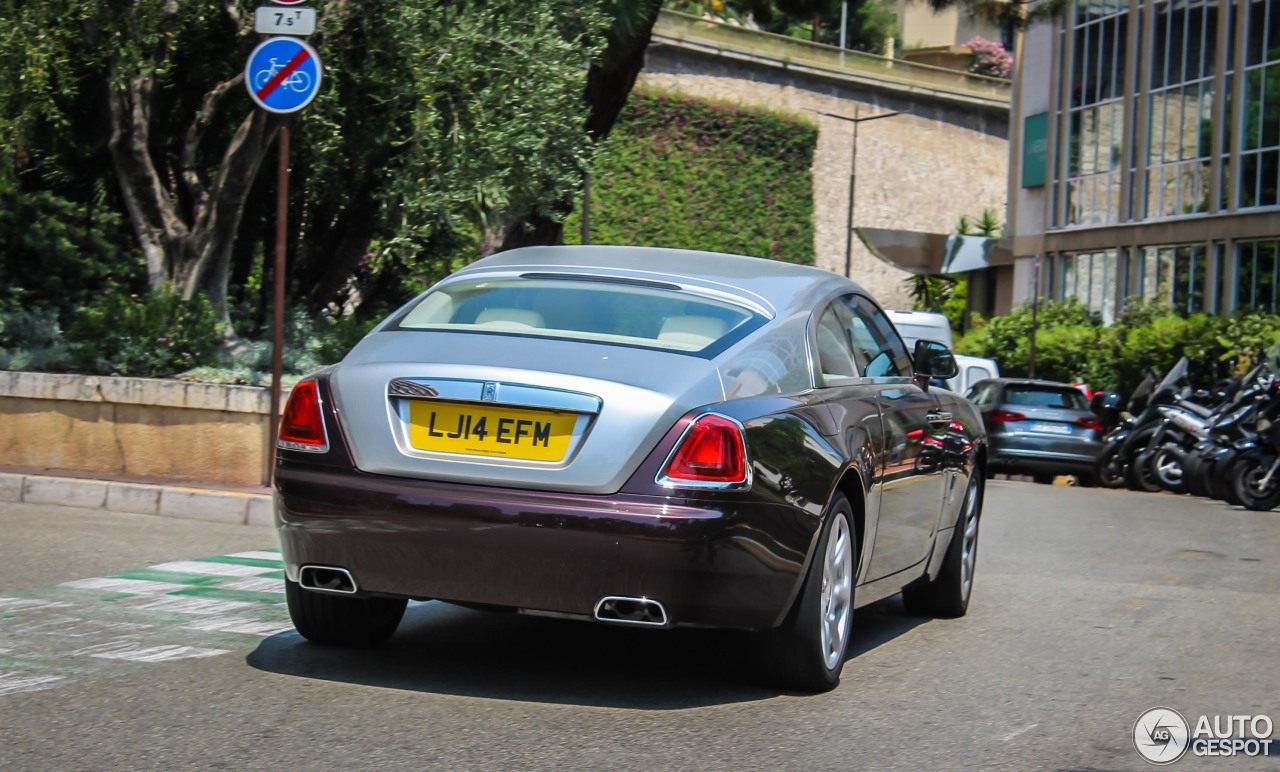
(636, 436)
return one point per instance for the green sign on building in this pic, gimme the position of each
(1035, 150)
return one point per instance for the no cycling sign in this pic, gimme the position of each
(283, 74)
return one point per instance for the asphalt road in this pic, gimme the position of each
(1090, 607)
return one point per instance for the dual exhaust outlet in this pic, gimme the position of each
(327, 579)
(618, 609)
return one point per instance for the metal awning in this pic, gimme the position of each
(935, 253)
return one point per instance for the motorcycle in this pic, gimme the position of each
(1187, 425)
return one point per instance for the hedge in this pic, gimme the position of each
(682, 172)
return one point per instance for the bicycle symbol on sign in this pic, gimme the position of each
(297, 80)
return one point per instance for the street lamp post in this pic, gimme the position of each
(853, 173)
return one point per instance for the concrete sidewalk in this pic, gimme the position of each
(167, 499)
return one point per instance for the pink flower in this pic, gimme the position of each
(989, 58)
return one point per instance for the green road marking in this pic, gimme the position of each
(172, 577)
(254, 562)
(219, 593)
(74, 633)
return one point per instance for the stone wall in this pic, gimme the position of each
(134, 427)
(921, 171)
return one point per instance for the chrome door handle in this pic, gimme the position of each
(935, 415)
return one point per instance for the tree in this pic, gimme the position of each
(434, 117)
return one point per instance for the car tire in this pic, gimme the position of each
(1087, 480)
(1043, 478)
(806, 652)
(335, 620)
(948, 594)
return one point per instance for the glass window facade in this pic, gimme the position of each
(1165, 109)
(1093, 279)
(1167, 123)
(1092, 191)
(1255, 275)
(1180, 108)
(1260, 125)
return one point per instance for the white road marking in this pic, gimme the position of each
(177, 604)
(75, 627)
(242, 625)
(16, 683)
(131, 651)
(104, 627)
(1020, 732)
(260, 555)
(256, 584)
(127, 586)
(212, 569)
(27, 604)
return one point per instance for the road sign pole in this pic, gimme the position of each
(277, 324)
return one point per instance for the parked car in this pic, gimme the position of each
(635, 436)
(1040, 428)
(925, 325)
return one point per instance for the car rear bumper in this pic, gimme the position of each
(1019, 456)
(725, 562)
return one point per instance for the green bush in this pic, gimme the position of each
(59, 253)
(153, 335)
(1071, 343)
(309, 344)
(681, 172)
(31, 339)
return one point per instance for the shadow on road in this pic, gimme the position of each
(445, 649)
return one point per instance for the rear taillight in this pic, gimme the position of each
(302, 425)
(1005, 416)
(1089, 422)
(711, 453)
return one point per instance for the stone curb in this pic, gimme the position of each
(179, 501)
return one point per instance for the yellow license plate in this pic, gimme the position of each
(500, 432)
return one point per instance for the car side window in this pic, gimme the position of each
(981, 395)
(877, 346)
(835, 358)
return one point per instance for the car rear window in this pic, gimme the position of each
(1065, 398)
(652, 315)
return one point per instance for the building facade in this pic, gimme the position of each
(1146, 154)
(941, 152)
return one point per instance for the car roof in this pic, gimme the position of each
(1028, 382)
(778, 286)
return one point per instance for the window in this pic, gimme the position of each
(1260, 122)
(1180, 110)
(1091, 279)
(855, 336)
(1039, 396)
(1256, 275)
(1178, 276)
(651, 315)
(1092, 193)
(877, 346)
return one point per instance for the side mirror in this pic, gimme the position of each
(934, 360)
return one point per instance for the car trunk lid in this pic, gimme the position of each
(509, 410)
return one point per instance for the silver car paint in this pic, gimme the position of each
(642, 392)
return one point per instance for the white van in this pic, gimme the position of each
(924, 325)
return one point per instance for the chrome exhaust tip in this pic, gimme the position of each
(631, 611)
(327, 579)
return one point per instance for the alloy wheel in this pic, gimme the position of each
(837, 592)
